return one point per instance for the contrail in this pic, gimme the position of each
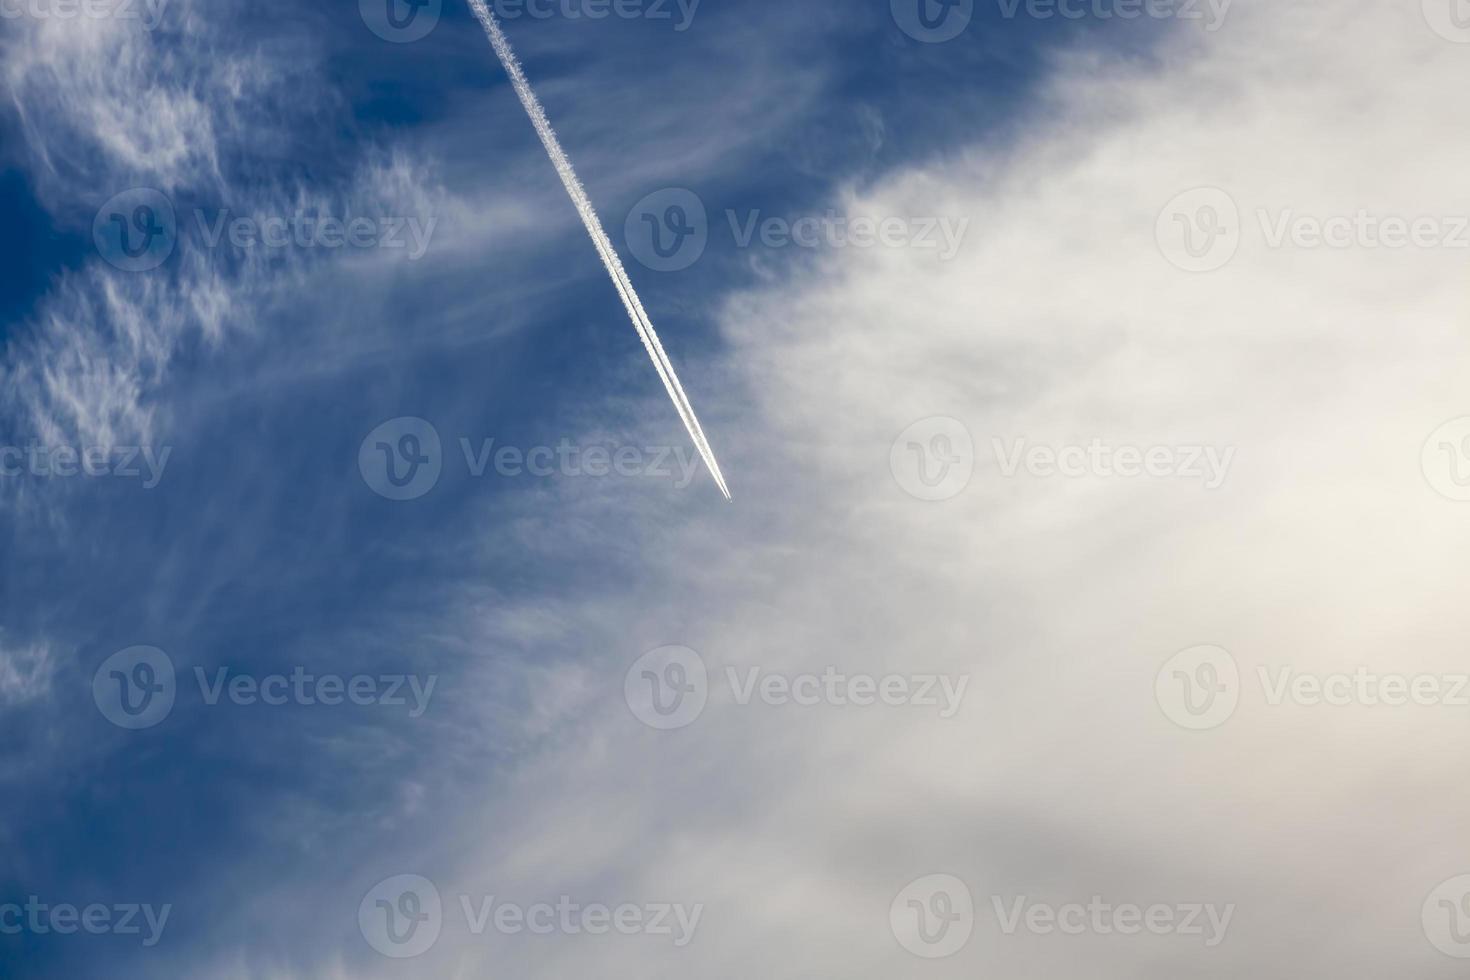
(604, 245)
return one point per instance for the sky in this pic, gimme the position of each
(1089, 378)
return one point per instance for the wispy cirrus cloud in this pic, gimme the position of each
(25, 674)
(106, 105)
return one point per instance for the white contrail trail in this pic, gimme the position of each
(604, 245)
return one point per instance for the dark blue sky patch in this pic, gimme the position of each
(33, 251)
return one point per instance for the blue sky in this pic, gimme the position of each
(262, 548)
(249, 385)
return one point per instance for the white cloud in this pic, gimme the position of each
(1062, 779)
(25, 674)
